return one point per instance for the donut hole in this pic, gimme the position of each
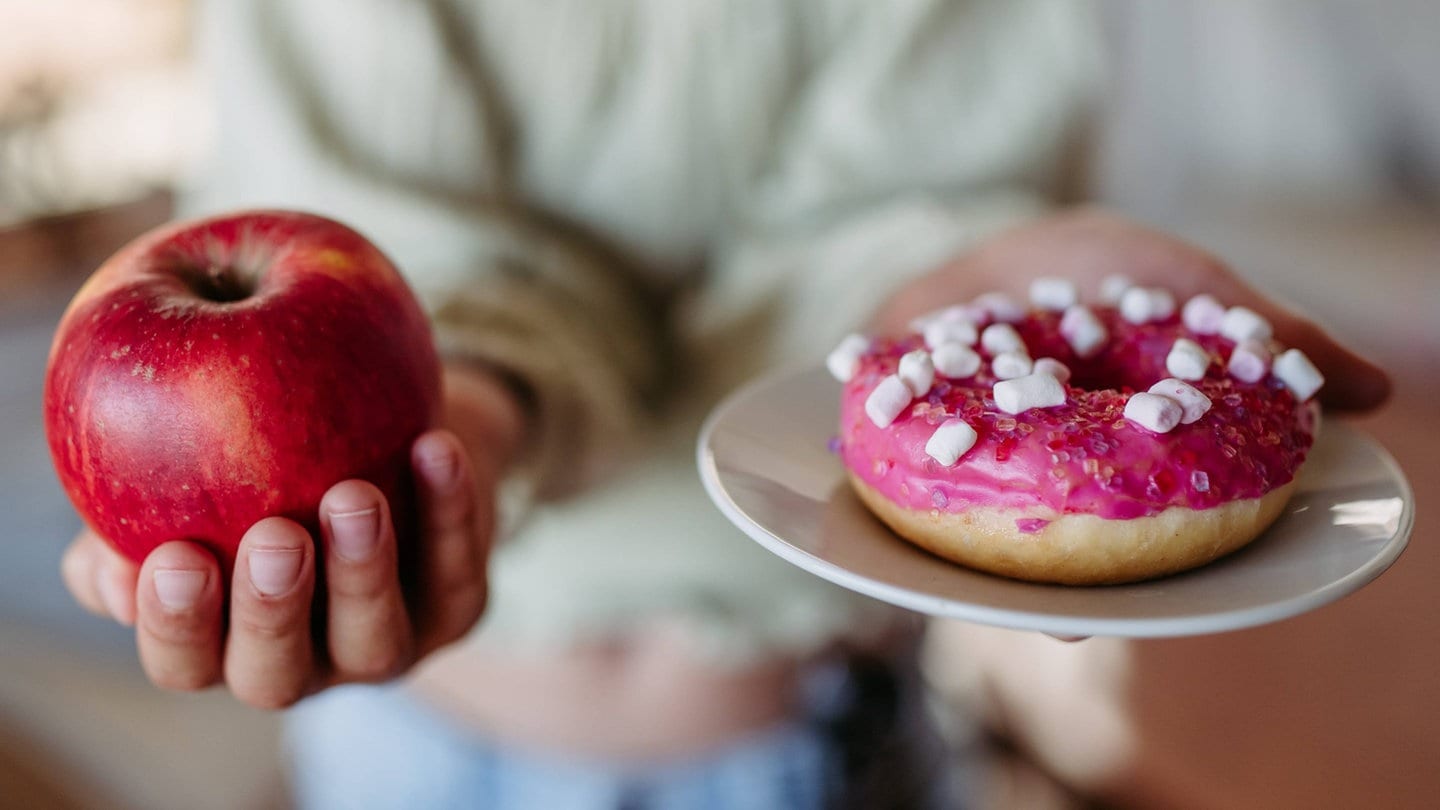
(1133, 358)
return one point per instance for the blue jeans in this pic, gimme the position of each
(866, 744)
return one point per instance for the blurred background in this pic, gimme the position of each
(1298, 140)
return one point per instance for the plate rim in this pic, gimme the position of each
(1167, 627)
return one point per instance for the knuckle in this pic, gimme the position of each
(186, 630)
(265, 626)
(374, 644)
(455, 560)
(455, 511)
(366, 585)
(376, 665)
(270, 696)
(457, 588)
(182, 679)
(462, 609)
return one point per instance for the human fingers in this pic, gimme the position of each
(1352, 383)
(1095, 243)
(1087, 245)
(269, 658)
(99, 578)
(369, 633)
(77, 570)
(179, 605)
(455, 523)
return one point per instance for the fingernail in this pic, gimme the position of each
(439, 465)
(274, 571)
(179, 590)
(356, 533)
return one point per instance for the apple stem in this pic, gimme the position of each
(222, 285)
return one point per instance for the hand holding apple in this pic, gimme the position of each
(216, 393)
(217, 372)
(376, 624)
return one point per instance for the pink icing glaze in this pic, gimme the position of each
(1084, 456)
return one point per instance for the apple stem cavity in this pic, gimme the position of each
(221, 284)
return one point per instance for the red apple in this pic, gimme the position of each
(216, 372)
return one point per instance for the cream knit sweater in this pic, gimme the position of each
(633, 205)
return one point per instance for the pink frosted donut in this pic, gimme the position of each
(1103, 483)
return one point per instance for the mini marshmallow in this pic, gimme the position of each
(917, 372)
(845, 359)
(1298, 373)
(1146, 304)
(958, 312)
(1053, 294)
(1009, 365)
(1162, 303)
(950, 441)
(955, 360)
(950, 330)
(918, 323)
(1113, 286)
(1135, 305)
(1083, 330)
(1031, 391)
(1000, 307)
(1053, 367)
(886, 402)
(1154, 412)
(1250, 361)
(1002, 337)
(971, 312)
(1193, 404)
(1240, 324)
(1203, 314)
(1187, 360)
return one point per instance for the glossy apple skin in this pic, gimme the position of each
(172, 416)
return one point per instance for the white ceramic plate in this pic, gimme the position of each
(764, 460)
